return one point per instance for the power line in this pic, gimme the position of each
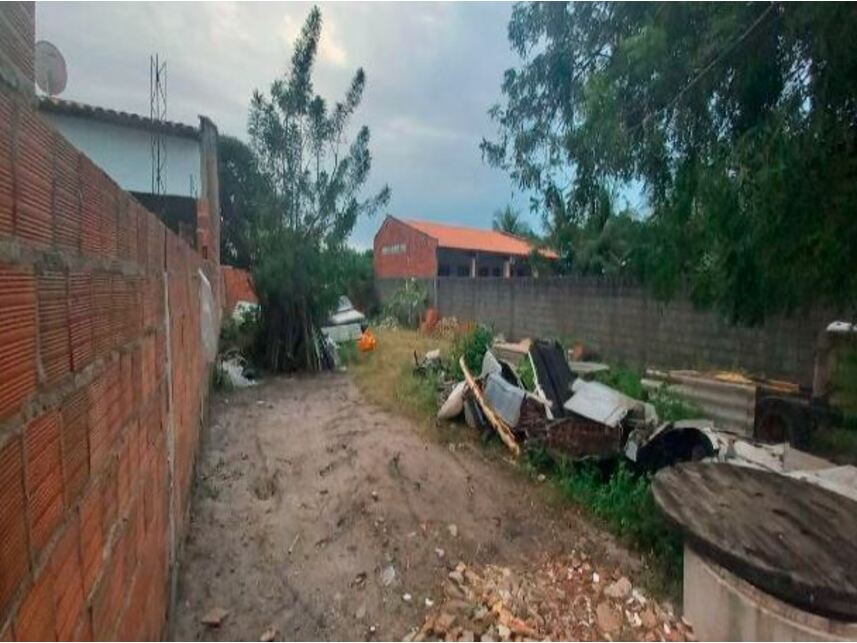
(728, 50)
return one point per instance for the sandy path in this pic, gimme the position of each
(307, 495)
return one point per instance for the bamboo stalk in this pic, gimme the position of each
(499, 425)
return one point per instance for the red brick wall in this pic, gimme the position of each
(90, 405)
(17, 32)
(237, 286)
(419, 258)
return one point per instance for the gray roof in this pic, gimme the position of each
(127, 119)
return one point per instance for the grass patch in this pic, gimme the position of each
(386, 375)
(621, 500)
(837, 444)
(670, 407)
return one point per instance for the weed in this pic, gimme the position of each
(624, 380)
(407, 302)
(622, 500)
(348, 354)
(472, 346)
(385, 376)
(525, 372)
(670, 407)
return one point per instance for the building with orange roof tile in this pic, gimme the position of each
(410, 248)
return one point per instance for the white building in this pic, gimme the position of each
(120, 143)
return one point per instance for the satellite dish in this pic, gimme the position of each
(51, 74)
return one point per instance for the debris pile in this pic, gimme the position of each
(564, 598)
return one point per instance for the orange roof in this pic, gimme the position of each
(461, 238)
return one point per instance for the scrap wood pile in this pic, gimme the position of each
(564, 413)
(564, 598)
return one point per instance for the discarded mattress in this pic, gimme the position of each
(504, 398)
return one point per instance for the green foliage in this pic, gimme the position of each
(472, 346)
(407, 303)
(509, 220)
(525, 372)
(348, 354)
(624, 380)
(246, 198)
(358, 279)
(316, 182)
(621, 499)
(736, 121)
(844, 383)
(669, 406)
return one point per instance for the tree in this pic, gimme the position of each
(316, 176)
(509, 220)
(738, 119)
(245, 199)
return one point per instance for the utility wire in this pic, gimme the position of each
(708, 67)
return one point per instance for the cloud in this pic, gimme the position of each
(433, 70)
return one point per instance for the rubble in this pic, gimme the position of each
(556, 599)
(214, 617)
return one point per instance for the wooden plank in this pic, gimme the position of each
(499, 425)
(790, 538)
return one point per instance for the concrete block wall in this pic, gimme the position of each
(102, 392)
(625, 324)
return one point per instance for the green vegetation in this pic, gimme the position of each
(734, 124)
(622, 500)
(669, 406)
(348, 353)
(407, 303)
(525, 372)
(296, 204)
(386, 376)
(472, 346)
(509, 220)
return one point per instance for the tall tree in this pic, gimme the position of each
(738, 119)
(317, 173)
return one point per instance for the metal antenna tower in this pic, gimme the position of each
(157, 115)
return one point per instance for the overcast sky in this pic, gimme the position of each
(432, 71)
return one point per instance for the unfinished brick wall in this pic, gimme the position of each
(625, 324)
(237, 286)
(102, 392)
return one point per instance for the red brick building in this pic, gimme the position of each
(408, 248)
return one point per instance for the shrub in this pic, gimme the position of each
(407, 303)
(619, 497)
(472, 346)
(525, 372)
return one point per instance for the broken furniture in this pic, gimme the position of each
(553, 377)
(790, 539)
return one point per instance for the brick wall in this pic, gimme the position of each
(102, 392)
(623, 323)
(419, 258)
(17, 32)
(237, 286)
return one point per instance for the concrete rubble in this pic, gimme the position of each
(563, 598)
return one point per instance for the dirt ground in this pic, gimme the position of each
(322, 516)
